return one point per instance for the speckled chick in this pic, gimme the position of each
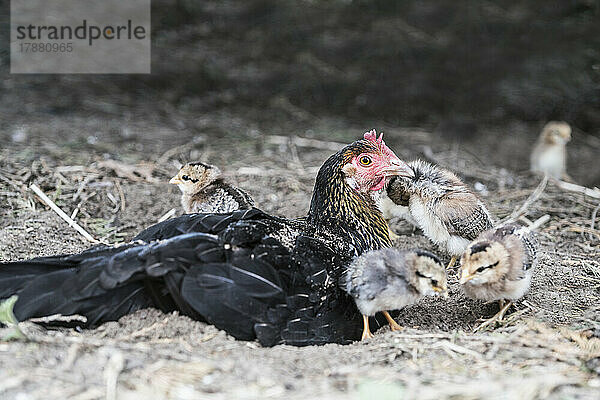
(205, 191)
(549, 156)
(390, 279)
(447, 211)
(498, 266)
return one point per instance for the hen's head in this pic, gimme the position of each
(193, 177)
(342, 202)
(367, 164)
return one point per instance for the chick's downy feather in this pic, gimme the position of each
(204, 190)
(447, 211)
(499, 264)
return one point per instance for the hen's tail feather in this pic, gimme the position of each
(15, 275)
(54, 293)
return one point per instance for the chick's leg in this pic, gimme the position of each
(393, 324)
(496, 318)
(503, 309)
(366, 331)
(452, 262)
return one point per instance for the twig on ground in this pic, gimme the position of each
(593, 218)
(580, 229)
(137, 173)
(62, 214)
(539, 222)
(457, 349)
(71, 357)
(121, 195)
(167, 215)
(82, 186)
(143, 331)
(59, 318)
(112, 370)
(11, 183)
(571, 187)
(535, 195)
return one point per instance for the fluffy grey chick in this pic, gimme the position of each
(549, 156)
(390, 279)
(447, 211)
(205, 191)
(498, 266)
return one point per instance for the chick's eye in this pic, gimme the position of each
(484, 267)
(185, 178)
(365, 161)
(434, 282)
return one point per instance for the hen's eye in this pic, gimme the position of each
(365, 161)
(185, 178)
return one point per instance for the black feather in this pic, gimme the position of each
(254, 275)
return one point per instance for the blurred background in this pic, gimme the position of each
(482, 75)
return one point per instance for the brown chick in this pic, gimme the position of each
(205, 191)
(439, 203)
(390, 279)
(498, 266)
(549, 156)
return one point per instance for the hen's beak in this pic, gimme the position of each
(465, 277)
(175, 181)
(398, 168)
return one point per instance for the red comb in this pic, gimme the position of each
(372, 136)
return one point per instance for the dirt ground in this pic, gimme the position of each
(548, 348)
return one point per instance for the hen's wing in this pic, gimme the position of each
(104, 283)
(206, 223)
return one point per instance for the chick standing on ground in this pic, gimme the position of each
(549, 156)
(447, 211)
(498, 266)
(205, 191)
(390, 279)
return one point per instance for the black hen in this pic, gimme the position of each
(249, 273)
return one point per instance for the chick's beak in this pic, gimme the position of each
(441, 290)
(465, 277)
(175, 180)
(398, 167)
